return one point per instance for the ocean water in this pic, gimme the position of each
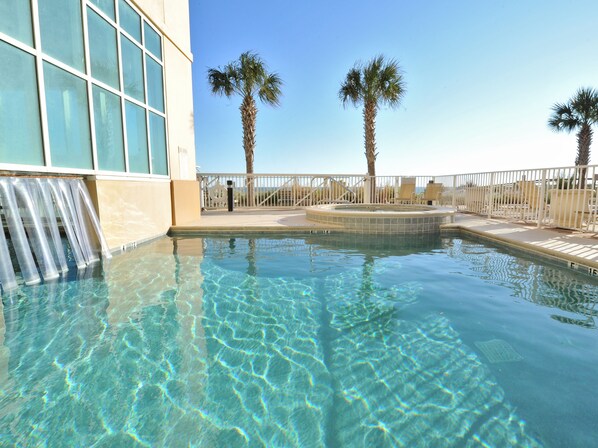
(304, 341)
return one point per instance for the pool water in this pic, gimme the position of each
(304, 341)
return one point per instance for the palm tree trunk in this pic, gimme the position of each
(248, 117)
(369, 125)
(584, 141)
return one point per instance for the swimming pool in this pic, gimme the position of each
(312, 341)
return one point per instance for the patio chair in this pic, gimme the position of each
(530, 193)
(432, 193)
(406, 191)
(530, 200)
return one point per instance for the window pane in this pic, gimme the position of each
(20, 130)
(155, 94)
(102, 50)
(153, 42)
(158, 143)
(15, 20)
(62, 32)
(137, 138)
(132, 69)
(109, 130)
(68, 118)
(130, 20)
(106, 6)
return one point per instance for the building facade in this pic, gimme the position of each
(102, 89)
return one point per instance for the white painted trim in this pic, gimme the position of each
(88, 85)
(41, 84)
(32, 169)
(101, 13)
(130, 179)
(17, 43)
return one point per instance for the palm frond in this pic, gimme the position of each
(378, 81)
(563, 118)
(351, 90)
(270, 90)
(585, 103)
(247, 76)
(221, 82)
(581, 109)
(391, 84)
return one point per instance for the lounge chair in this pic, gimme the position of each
(406, 191)
(530, 193)
(432, 193)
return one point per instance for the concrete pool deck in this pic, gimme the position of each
(581, 249)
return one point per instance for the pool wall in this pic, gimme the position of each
(387, 221)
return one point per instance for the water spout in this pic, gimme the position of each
(32, 210)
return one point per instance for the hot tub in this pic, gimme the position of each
(382, 218)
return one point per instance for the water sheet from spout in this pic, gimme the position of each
(93, 217)
(32, 210)
(17, 232)
(32, 219)
(7, 272)
(45, 204)
(67, 223)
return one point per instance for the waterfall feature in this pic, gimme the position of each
(32, 209)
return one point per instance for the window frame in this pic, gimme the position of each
(40, 58)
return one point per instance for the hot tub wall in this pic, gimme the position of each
(369, 223)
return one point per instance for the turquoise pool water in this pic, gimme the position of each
(306, 341)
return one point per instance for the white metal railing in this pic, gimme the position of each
(554, 197)
(303, 190)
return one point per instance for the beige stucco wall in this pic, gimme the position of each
(131, 211)
(179, 109)
(185, 201)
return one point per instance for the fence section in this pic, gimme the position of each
(304, 190)
(557, 197)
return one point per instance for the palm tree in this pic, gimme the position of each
(247, 77)
(580, 113)
(375, 83)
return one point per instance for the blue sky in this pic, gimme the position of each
(481, 77)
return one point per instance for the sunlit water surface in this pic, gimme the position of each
(315, 341)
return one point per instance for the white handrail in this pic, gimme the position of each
(554, 197)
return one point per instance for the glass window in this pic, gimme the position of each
(102, 50)
(68, 118)
(109, 130)
(153, 42)
(62, 31)
(15, 20)
(132, 64)
(158, 144)
(20, 129)
(137, 138)
(155, 93)
(107, 6)
(129, 20)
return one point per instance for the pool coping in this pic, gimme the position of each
(563, 259)
(426, 211)
(569, 249)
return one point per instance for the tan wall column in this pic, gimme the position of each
(131, 210)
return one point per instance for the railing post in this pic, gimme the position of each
(491, 196)
(542, 199)
(455, 192)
